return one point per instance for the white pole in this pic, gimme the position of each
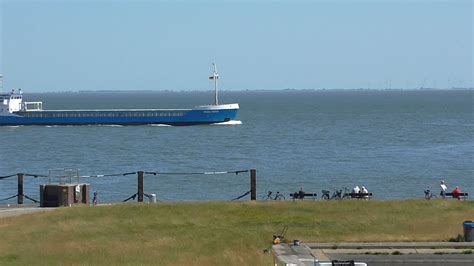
(215, 85)
(216, 76)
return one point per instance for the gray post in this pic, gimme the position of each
(253, 184)
(42, 201)
(141, 174)
(20, 188)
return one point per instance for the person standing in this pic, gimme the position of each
(444, 188)
(94, 199)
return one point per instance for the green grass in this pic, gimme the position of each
(217, 233)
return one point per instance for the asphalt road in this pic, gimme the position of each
(407, 260)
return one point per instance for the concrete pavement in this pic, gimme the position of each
(6, 211)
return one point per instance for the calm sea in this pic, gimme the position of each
(396, 143)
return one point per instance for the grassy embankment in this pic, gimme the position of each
(216, 233)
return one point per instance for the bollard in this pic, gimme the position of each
(140, 185)
(152, 198)
(20, 188)
(42, 200)
(253, 184)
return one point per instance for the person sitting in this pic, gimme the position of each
(355, 191)
(444, 188)
(457, 193)
(364, 191)
(301, 193)
(296, 195)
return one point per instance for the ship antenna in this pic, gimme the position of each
(215, 77)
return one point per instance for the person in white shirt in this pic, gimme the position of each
(356, 189)
(444, 188)
(365, 191)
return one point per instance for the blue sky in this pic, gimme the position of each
(168, 45)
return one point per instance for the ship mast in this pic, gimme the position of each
(215, 77)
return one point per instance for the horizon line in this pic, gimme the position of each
(253, 90)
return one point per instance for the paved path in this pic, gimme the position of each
(409, 260)
(388, 253)
(390, 245)
(15, 211)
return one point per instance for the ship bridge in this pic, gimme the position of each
(13, 102)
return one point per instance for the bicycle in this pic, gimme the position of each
(429, 194)
(325, 194)
(279, 196)
(338, 194)
(268, 196)
(345, 194)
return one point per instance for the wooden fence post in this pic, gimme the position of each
(141, 174)
(20, 188)
(253, 184)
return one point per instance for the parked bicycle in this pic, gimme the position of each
(338, 194)
(270, 196)
(325, 194)
(279, 196)
(429, 194)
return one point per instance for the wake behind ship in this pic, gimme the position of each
(15, 112)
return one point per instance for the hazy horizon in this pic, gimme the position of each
(243, 90)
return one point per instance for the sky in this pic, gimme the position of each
(269, 45)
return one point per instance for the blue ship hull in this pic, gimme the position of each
(15, 112)
(122, 117)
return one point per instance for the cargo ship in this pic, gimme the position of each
(15, 112)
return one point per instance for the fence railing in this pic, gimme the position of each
(140, 194)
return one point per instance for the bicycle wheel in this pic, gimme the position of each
(280, 197)
(325, 197)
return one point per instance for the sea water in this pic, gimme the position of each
(395, 143)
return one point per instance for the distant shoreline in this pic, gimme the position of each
(252, 90)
